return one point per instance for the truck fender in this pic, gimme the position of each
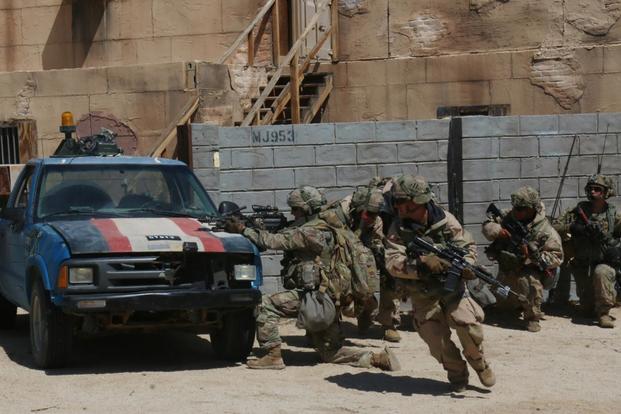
(36, 268)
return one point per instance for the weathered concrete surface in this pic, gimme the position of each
(559, 74)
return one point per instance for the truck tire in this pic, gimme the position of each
(233, 342)
(51, 330)
(8, 313)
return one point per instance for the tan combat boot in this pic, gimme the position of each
(487, 376)
(385, 360)
(606, 321)
(273, 360)
(533, 326)
(391, 335)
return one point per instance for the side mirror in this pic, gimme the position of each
(14, 214)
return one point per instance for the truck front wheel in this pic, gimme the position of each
(51, 330)
(8, 313)
(234, 340)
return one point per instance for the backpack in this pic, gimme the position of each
(352, 265)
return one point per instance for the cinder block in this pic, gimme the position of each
(395, 170)
(583, 165)
(594, 144)
(440, 190)
(271, 284)
(294, 156)
(481, 191)
(209, 177)
(433, 129)
(507, 187)
(490, 126)
(539, 167)
(557, 145)
(204, 134)
(538, 124)
(376, 153)
(609, 122)
(577, 123)
(281, 199)
(235, 137)
(475, 148)
(271, 266)
(202, 157)
(272, 179)
(474, 170)
(248, 198)
(226, 162)
(315, 176)
(252, 158)
(335, 154)
(338, 193)
(434, 171)
(611, 165)
(548, 188)
(474, 213)
(418, 151)
(443, 150)
(519, 147)
(145, 78)
(313, 134)
(476, 233)
(70, 82)
(211, 75)
(236, 180)
(272, 135)
(355, 175)
(395, 131)
(355, 132)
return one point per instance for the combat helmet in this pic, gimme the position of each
(308, 198)
(412, 187)
(526, 197)
(369, 199)
(603, 180)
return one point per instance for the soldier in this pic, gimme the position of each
(360, 212)
(435, 310)
(525, 260)
(593, 229)
(308, 247)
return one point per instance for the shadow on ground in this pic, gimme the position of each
(122, 352)
(404, 385)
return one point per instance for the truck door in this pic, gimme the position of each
(13, 240)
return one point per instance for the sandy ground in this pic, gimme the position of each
(568, 367)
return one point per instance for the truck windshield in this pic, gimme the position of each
(121, 191)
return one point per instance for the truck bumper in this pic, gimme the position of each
(161, 301)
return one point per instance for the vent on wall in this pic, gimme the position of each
(486, 110)
(9, 144)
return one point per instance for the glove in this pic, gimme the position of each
(234, 224)
(434, 263)
(468, 274)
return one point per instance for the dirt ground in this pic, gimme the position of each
(568, 367)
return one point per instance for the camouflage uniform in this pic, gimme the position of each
(436, 312)
(306, 245)
(525, 267)
(594, 271)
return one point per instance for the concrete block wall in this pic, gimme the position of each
(260, 165)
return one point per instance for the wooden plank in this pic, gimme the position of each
(286, 61)
(317, 104)
(250, 49)
(295, 91)
(171, 131)
(276, 33)
(184, 144)
(261, 31)
(244, 35)
(27, 136)
(334, 26)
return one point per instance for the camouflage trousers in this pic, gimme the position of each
(595, 286)
(390, 302)
(328, 343)
(530, 287)
(434, 320)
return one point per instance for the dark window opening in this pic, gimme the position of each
(9, 144)
(485, 110)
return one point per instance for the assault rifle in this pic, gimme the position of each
(262, 217)
(455, 256)
(517, 231)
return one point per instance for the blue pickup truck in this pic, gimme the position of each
(94, 243)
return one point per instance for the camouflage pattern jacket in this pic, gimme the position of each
(442, 228)
(585, 249)
(540, 234)
(371, 236)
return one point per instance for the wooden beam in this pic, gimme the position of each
(334, 25)
(276, 34)
(295, 90)
(250, 49)
(316, 106)
(244, 35)
(27, 138)
(261, 30)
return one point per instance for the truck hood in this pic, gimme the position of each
(136, 235)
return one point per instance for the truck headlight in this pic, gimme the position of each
(245, 272)
(81, 275)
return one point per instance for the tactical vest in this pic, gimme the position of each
(587, 251)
